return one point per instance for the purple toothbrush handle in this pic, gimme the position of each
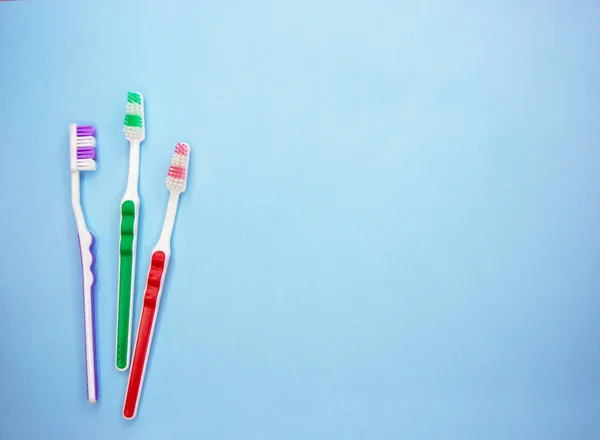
(86, 249)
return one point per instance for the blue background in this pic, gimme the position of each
(390, 229)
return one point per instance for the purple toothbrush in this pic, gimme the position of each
(83, 158)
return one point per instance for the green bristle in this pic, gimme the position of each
(133, 120)
(134, 97)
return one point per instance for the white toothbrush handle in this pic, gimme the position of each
(130, 208)
(86, 243)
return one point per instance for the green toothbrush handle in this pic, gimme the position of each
(127, 247)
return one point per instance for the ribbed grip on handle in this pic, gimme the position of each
(144, 334)
(86, 245)
(126, 282)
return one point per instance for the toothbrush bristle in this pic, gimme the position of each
(86, 153)
(134, 97)
(134, 117)
(86, 148)
(182, 149)
(178, 171)
(86, 130)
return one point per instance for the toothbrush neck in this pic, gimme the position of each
(167, 230)
(134, 166)
(76, 199)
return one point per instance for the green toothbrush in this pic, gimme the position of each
(135, 133)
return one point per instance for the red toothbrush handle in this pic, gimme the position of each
(144, 334)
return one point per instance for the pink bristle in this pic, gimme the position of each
(181, 149)
(177, 172)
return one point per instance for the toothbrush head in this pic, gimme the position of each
(83, 147)
(178, 171)
(135, 127)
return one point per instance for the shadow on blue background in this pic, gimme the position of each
(390, 231)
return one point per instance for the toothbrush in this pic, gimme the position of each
(176, 184)
(135, 133)
(83, 158)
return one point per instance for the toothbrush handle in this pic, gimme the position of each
(154, 286)
(127, 251)
(86, 244)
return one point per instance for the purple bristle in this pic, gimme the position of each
(86, 130)
(86, 153)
